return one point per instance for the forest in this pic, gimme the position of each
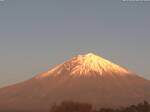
(69, 106)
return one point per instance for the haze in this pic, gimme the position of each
(38, 34)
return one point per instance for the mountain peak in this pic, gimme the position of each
(90, 54)
(86, 65)
(89, 57)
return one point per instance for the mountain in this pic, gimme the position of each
(85, 78)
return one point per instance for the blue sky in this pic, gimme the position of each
(36, 35)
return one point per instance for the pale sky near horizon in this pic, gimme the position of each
(36, 35)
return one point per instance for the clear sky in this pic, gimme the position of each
(36, 35)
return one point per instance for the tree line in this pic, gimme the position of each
(70, 106)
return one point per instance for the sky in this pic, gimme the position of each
(36, 35)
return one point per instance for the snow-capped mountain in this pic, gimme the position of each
(86, 65)
(84, 78)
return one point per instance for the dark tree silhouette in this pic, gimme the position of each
(70, 106)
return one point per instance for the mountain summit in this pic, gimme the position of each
(84, 78)
(86, 65)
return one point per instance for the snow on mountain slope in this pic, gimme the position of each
(86, 65)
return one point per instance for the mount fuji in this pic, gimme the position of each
(85, 78)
